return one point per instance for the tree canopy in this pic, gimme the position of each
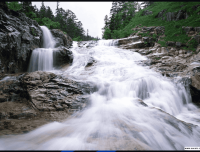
(65, 20)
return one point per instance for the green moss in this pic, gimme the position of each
(162, 43)
(157, 58)
(33, 32)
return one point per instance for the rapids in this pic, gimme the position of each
(115, 118)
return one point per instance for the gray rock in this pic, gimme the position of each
(178, 44)
(160, 14)
(170, 16)
(170, 43)
(197, 29)
(16, 40)
(146, 12)
(180, 15)
(66, 39)
(90, 61)
(197, 38)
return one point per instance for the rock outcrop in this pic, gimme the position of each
(39, 96)
(19, 36)
(49, 92)
(61, 38)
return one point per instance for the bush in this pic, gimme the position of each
(14, 6)
(77, 39)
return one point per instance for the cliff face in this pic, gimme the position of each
(19, 36)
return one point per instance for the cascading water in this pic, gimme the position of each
(42, 58)
(118, 118)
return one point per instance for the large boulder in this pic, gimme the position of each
(62, 55)
(19, 36)
(48, 92)
(170, 16)
(61, 38)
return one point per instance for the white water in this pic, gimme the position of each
(42, 58)
(116, 120)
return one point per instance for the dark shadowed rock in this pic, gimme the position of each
(180, 15)
(170, 43)
(62, 55)
(90, 62)
(160, 14)
(178, 44)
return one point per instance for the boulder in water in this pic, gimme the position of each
(62, 39)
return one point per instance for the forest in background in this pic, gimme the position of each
(65, 20)
(124, 18)
(121, 14)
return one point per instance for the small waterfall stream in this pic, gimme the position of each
(134, 108)
(42, 58)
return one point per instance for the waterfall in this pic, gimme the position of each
(133, 108)
(42, 58)
(108, 42)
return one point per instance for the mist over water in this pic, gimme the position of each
(42, 58)
(116, 118)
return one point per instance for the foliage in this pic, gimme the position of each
(15, 5)
(173, 29)
(64, 19)
(77, 39)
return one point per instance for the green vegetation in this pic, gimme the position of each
(77, 39)
(14, 6)
(173, 29)
(157, 58)
(33, 31)
(64, 20)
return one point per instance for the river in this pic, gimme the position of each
(123, 113)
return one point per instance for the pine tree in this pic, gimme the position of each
(42, 12)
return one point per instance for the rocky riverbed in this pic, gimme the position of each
(32, 99)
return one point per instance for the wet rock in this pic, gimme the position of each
(62, 55)
(128, 40)
(90, 62)
(17, 40)
(62, 39)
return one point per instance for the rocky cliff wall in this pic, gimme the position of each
(20, 35)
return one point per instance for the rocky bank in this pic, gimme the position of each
(170, 61)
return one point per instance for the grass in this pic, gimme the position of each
(173, 29)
